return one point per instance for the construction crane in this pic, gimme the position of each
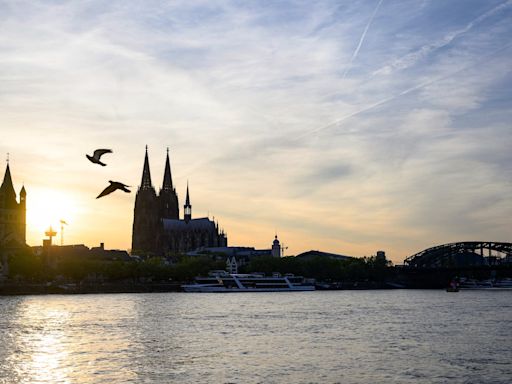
(282, 250)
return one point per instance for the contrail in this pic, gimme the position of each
(297, 138)
(405, 92)
(354, 55)
(411, 58)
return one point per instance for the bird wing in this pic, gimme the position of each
(111, 188)
(100, 152)
(121, 186)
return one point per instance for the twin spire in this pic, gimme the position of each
(167, 183)
(146, 174)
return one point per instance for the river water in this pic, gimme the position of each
(399, 336)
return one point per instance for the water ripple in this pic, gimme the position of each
(310, 337)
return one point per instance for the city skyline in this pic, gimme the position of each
(348, 128)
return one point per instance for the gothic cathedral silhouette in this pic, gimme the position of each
(157, 228)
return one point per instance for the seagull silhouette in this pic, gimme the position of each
(112, 187)
(95, 158)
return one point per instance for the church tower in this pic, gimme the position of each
(12, 213)
(168, 199)
(276, 248)
(146, 221)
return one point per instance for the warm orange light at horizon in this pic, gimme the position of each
(47, 207)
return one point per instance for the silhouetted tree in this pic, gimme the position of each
(26, 265)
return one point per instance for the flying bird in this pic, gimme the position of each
(112, 187)
(95, 158)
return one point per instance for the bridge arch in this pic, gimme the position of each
(462, 254)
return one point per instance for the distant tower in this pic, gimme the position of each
(12, 213)
(51, 234)
(146, 222)
(168, 200)
(23, 214)
(187, 208)
(276, 248)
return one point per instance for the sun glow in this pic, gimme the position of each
(47, 207)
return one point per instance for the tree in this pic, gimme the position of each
(25, 264)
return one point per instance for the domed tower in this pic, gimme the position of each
(168, 199)
(146, 221)
(276, 248)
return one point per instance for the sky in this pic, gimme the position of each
(342, 126)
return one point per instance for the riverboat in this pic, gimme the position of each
(221, 281)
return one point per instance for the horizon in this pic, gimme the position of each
(345, 128)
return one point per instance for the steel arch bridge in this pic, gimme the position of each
(463, 254)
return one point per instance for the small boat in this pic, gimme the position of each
(453, 287)
(221, 281)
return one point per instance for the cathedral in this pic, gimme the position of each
(157, 227)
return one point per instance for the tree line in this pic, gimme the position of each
(25, 265)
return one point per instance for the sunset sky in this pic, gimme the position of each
(345, 126)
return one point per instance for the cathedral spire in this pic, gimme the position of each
(167, 184)
(146, 175)
(187, 207)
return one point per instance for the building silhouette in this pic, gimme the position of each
(12, 220)
(12, 213)
(157, 227)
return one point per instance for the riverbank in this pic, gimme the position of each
(9, 289)
(13, 288)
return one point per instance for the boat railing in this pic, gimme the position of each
(237, 282)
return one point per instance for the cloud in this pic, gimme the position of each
(263, 118)
(421, 53)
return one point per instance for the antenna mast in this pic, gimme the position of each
(62, 222)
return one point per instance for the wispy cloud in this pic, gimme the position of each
(262, 121)
(412, 58)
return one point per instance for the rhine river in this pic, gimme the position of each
(399, 336)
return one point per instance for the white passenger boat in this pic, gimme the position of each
(221, 281)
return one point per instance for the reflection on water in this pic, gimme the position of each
(301, 337)
(57, 339)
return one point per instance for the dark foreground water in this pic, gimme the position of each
(401, 336)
